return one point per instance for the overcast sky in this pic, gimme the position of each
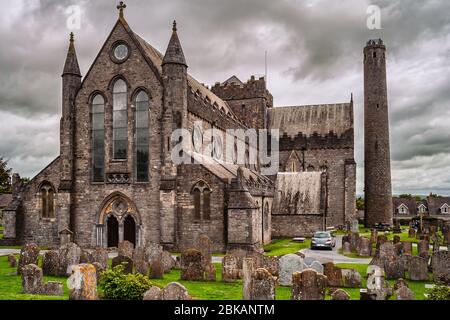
(314, 56)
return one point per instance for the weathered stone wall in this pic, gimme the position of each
(289, 226)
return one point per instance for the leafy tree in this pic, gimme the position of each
(5, 177)
(360, 203)
(410, 197)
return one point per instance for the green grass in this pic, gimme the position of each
(285, 246)
(11, 285)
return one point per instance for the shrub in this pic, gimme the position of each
(439, 292)
(116, 285)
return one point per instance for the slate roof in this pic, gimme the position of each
(435, 204)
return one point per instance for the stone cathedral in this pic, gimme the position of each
(115, 180)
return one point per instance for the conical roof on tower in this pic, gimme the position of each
(174, 53)
(71, 66)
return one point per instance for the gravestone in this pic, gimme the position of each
(346, 248)
(31, 279)
(69, 254)
(100, 255)
(365, 247)
(340, 294)
(404, 293)
(424, 249)
(126, 249)
(167, 261)
(418, 269)
(153, 251)
(308, 285)
(98, 269)
(204, 246)
(398, 248)
(82, 282)
(308, 261)
(354, 240)
(192, 266)
(382, 239)
(12, 261)
(230, 268)
(394, 268)
(351, 278)
(175, 291)
(387, 250)
(400, 283)
(154, 293)
(377, 286)
(411, 233)
(441, 267)
(333, 274)
(396, 239)
(140, 260)
(271, 264)
(289, 264)
(263, 285)
(156, 270)
(125, 261)
(316, 265)
(52, 288)
(86, 257)
(373, 236)
(29, 254)
(50, 263)
(407, 248)
(248, 268)
(355, 226)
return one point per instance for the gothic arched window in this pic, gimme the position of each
(47, 201)
(142, 137)
(120, 120)
(98, 138)
(202, 201)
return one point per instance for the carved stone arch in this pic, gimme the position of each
(94, 94)
(293, 163)
(201, 185)
(114, 80)
(136, 92)
(119, 205)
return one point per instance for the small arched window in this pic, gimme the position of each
(47, 201)
(202, 201)
(98, 138)
(120, 120)
(142, 137)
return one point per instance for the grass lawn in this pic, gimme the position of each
(285, 246)
(2, 228)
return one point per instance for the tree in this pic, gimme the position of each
(5, 177)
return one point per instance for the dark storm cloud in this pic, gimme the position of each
(314, 56)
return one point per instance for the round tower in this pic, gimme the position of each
(378, 188)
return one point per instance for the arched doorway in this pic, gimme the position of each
(129, 230)
(113, 232)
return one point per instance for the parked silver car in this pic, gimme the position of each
(323, 239)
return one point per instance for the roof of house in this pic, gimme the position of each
(411, 204)
(321, 119)
(435, 204)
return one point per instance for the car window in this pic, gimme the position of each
(321, 235)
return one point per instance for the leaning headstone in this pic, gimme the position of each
(192, 267)
(354, 240)
(424, 249)
(167, 261)
(289, 264)
(441, 267)
(140, 260)
(12, 261)
(29, 254)
(340, 295)
(263, 285)
(156, 270)
(50, 263)
(365, 247)
(175, 291)
(69, 254)
(387, 250)
(394, 268)
(308, 285)
(333, 274)
(271, 264)
(31, 279)
(125, 261)
(82, 282)
(153, 251)
(247, 274)
(346, 248)
(377, 286)
(351, 278)
(404, 293)
(204, 246)
(126, 249)
(407, 248)
(52, 288)
(418, 269)
(230, 268)
(154, 293)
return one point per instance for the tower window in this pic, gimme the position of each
(47, 201)
(142, 137)
(202, 201)
(374, 54)
(378, 106)
(98, 138)
(120, 120)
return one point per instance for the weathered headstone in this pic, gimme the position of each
(230, 268)
(192, 266)
(140, 260)
(31, 279)
(346, 248)
(86, 257)
(340, 295)
(50, 263)
(365, 247)
(394, 268)
(156, 270)
(411, 233)
(69, 254)
(418, 269)
(316, 265)
(98, 269)
(354, 241)
(127, 262)
(289, 264)
(29, 254)
(377, 286)
(100, 255)
(204, 246)
(247, 274)
(12, 261)
(400, 283)
(333, 274)
(355, 226)
(404, 293)
(407, 248)
(175, 291)
(263, 285)
(52, 288)
(373, 236)
(382, 239)
(126, 249)
(424, 249)
(82, 282)
(167, 261)
(398, 248)
(308, 285)
(153, 251)
(210, 272)
(351, 278)
(271, 264)
(441, 267)
(396, 239)
(154, 293)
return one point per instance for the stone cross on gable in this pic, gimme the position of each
(121, 7)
